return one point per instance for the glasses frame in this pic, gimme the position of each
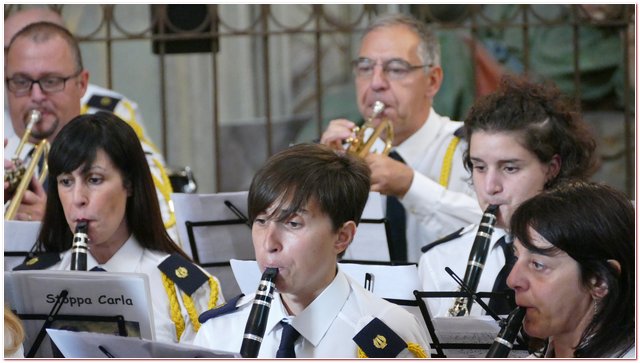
(38, 81)
(385, 67)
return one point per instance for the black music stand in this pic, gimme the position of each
(370, 242)
(436, 344)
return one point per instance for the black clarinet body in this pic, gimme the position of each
(259, 314)
(79, 247)
(477, 258)
(503, 343)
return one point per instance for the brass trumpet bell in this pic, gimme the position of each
(20, 177)
(361, 147)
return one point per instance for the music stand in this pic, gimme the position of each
(370, 240)
(114, 303)
(19, 241)
(215, 230)
(436, 343)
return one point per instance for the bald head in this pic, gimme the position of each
(17, 21)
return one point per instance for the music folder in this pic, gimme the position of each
(106, 302)
(94, 345)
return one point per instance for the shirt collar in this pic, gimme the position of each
(124, 259)
(412, 149)
(314, 321)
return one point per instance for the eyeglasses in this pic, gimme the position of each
(20, 85)
(395, 69)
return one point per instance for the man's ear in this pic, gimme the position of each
(345, 236)
(435, 77)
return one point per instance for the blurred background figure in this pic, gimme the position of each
(13, 335)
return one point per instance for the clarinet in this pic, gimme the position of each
(503, 343)
(257, 322)
(79, 247)
(477, 258)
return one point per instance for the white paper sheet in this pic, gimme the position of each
(94, 345)
(370, 240)
(218, 243)
(104, 294)
(392, 282)
(19, 236)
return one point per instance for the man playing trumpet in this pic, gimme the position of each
(44, 71)
(399, 65)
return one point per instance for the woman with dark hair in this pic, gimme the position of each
(99, 175)
(575, 270)
(522, 139)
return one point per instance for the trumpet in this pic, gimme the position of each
(20, 177)
(359, 146)
(477, 258)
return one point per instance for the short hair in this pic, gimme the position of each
(338, 182)
(543, 121)
(592, 223)
(76, 146)
(43, 31)
(429, 48)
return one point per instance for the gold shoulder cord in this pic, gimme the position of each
(176, 315)
(165, 188)
(445, 172)
(414, 348)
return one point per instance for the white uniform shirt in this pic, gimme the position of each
(327, 326)
(132, 257)
(455, 255)
(433, 210)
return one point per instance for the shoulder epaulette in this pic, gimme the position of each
(377, 340)
(459, 132)
(103, 102)
(39, 262)
(226, 308)
(185, 274)
(447, 238)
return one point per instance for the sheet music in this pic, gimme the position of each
(104, 294)
(215, 243)
(370, 240)
(19, 236)
(94, 345)
(470, 329)
(394, 282)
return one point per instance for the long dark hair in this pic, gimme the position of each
(76, 145)
(544, 122)
(592, 223)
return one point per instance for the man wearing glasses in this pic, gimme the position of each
(427, 187)
(59, 90)
(44, 72)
